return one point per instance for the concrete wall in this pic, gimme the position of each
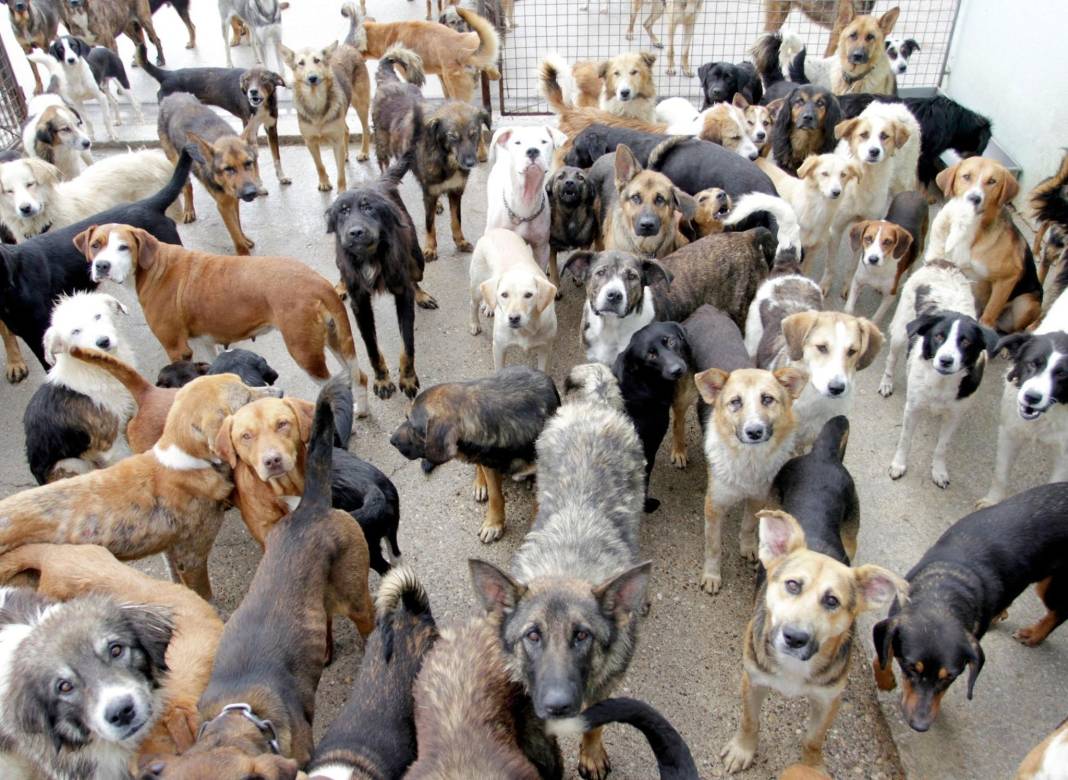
(1008, 61)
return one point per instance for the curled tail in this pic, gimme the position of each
(318, 492)
(148, 66)
(123, 372)
(789, 229)
(797, 68)
(660, 152)
(400, 595)
(552, 71)
(765, 54)
(489, 42)
(162, 200)
(357, 36)
(412, 63)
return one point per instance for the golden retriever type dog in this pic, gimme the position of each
(861, 65)
(587, 93)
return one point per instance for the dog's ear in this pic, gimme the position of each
(153, 627)
(853, 170)
(207, 151)
(488, 290)
(289, 56)
(879, 587)
(779, 535)
(921, 325)
(304, 412)
(947, 180)
(276, 79)
(182, 724)
(224, 445)
(684, 203)
(546, 294)
(653, 272)
(271, 767)
(578, 264)
(793, 379)
(1009, 189)
(53, 344)
(116, 306)
(46, 133)
(739, 101)
(795, 330)
(888, 20)
(703, 71)
(648, 58)
(558, 138)
(602, 69)
(909, 47)
(43, 171)
(871, 341)
(626, 166)
(846, 14)
(990, 339)
(901, 134)
(442, 440)
(902, 243)
(832, 116)
(328, 52)
(331, 217)
(624, 594)
(486, 118)
(147, 247)
(1013, 344)
(856, 233)
(711, 132)
(976, 658)
(709, 383)
(500, 138)
(883, 635)
(846, 128)
(81, 241)
(774, 107)
(82, 47)
(807, 167)
(495, 590)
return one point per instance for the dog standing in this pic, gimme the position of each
(263, 19)
(681, 13)
(34, 23)
(861, 64)
(101, 22)
(575, 215)
(396, 111)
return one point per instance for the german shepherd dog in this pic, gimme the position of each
(227, 164)
(35, 24)
(378, 252)
(569, 616)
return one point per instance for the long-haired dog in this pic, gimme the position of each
(34, 23)
(1049, 204)
(53, 131)
(804, 125)
(396, 101)
(821, 12)
(622, 85)
(569, 616)
(82, 681)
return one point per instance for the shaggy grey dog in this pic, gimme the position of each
(593, 383)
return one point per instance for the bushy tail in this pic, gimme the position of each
(357, 36)
(123, 372)
(398, 54)
(400, 587)
(797, 68)
(660, 152)
(789, 232)
(1049, 200)
(148, 66)
(552, 73)
(489, 43)
(765, 54)
(162, 200)
(318, 491)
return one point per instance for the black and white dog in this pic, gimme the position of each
(90, 72)
(898, 51)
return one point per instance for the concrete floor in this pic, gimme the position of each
(688, 658)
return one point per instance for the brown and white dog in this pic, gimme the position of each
(822, 12)
(1048, 758)
(861, 65)
(101, 22)
(54, 132)
(622, 86)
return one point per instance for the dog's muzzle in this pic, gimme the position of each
(807, 121)
(1032, 405)
(945, 365)
(798, 642)
(858, 56)
(71, 60)
(754, 432)
(647, 225)
(248, 193)
(359, 239)
(837, 387)
(101, 270)
(515, 321)
(468, 162)
(313, 79)
(255, 99)
(716, 96)
(873, 259)
(975, 198)
(569, 193)
(625, 94)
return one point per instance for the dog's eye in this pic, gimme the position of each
(660, 200)
(366, 208)
(991, 182)
(851, 351)
(965, 343)
(31, 185)
(230, 170)
(115, 650)
(246, 436)
(504, 294)
(64, 686)
(865, 135)
(76, 332)
(822, 349)
(767, 400)
(853, 35)
(939, 338)
(248, 165)
(581, 636)
(630, 276)
(283, 425)
(793, 587)
(528, 294)
(883, 136)
(735, 404)
(636, 199)
(533, 636)
(634, 73)
(316, 60)
(966, 176)
(599, 272)
(124, 248)
(95, 245)
(830, 601)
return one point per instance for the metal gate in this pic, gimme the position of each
(12, 104)
(724, 30)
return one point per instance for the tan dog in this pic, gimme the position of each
(1048, 758)
(799, 640)
(64, 571)
(862, 65)
(725, 124)
(822, 12)
(758, 122)
(1000, 257)
(509, 285)
(189, 295)
(169, 500)
(749, 436)
(622, 85)
(713, 206)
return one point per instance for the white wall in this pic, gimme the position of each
(1009, 61)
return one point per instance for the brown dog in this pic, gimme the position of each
(100, 22)
(64, 571)
(168, 500)
(35, 24)
(822, 12)
(187, 295)
(1000, 254)
(862, 65)
(622, 85)
(610, 110)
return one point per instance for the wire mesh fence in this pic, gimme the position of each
(723, 30)
(12, 104)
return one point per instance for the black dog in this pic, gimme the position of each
(34, 273)
(720, 81)
(944, 124)
(575, 223)
(962, 585)
(648, 371)
(182, 7)
(252, 368)
(377, 252)
(804, 125)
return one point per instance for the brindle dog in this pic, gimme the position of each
(575, 221)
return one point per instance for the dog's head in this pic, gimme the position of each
(659, 351)
(252, 368)
(431, 429)
(898, 52)
(629, 76)
(60, 125)
(589, 146)
(451, 18)
(647, 200)
(258, 85)
(456, 129)
(1039, 370)
(829, 173)
(21, 12)
(861, 40)
(720, 81)
(1052, 250)
(230, 162)
(361, 218)
(880, 244)
(267, 435)
(527, 152)
(985, 183)
(180, 373)
(78, 12)
(953, 342)
(518, 296)
(83, 319)
(812, 601)
(555, 631)
(713, 206)
(311, 66)
(26, 187)
(615, 281)
(116, 252)
(90, 672)
(872, 138)
(725, 124)
(593, 383)
(68, 48)
(807, 108)
(570, 188)
(832, 347)
(752, 405)
(210, 763)
(758, 121)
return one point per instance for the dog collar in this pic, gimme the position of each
(518, 220)
(851, 80)
(266, 728)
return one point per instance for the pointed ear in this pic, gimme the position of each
(500, 138)
(442, 440)
(486, 118)
(546, 294)
(976, 658)
(888, 20)
(114, 304)
(53, 344)
(947, 179)
(739, 101)
(808, 166)
(856, 233)
(793, 379)
(624, 594)
(1010, 188)
(684, 203)
(289, 56)
(496, 590)
(626, 166)
(224, 445)
(81, 241)
(774, 107)
(328, 52)
(558, 137)
(873, 338)
(846, 14)
(846, 128)
(489, 292)
(578, 264)
(780, 534)
(709, 383)
(795, 329)
(879, 587)
(304, 411)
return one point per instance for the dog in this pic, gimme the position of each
(250, 94)
(515, 187)
(788, 247)
(35, 200)
(257, 710)
(100, 22)
(508, 282)
(491, 422)
(800, 637)
(1046, 757)
(953, 232)
(1049, 204)
(681, 13)
(375, 735)
(325, 83)
(1001, 260)
(758, 123)
(713, 206)
(75, 421)
(377, 252)
(71, 571)
(396, 101)
(725, 124)
(678, 115)
(82, 681)
(898, 51)
(34, 23)
(948, 352)
(88, 72)
(53, 132)
(593, 382)
(804, 126)
(568, 618)
(887, 249)
(265, 443)
(252, 368)
(961, 586)
(263, 20)
(181, 7)
(861, 64)
(35, 272)
(721, 81)
(622, 85)
(574, 221)
(825, 13)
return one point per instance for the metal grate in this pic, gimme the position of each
(12, 104)
(724, 30)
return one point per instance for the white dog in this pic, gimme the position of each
(953, 232)
(521, 156)
(53, 132)
(33, 199)
(679, 114)
(514, 290)
(264, 21)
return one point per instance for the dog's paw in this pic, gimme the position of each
(362, 156)
(711, 582)
(409, 385)
(16, 372)
(474, 328)
(384, 388)
(190, 45)
(671, 71)
(262, 192)
(430, 255)
(489, 533)
(249, 243)
(425, 300)
(688, 72)
(325, 186)
(884, 675)
(985, 502)
(285, 181)
(480, 492)
(464, 246)
(737, 755)
(886, 387)
(651, 505)
(748, 548)
(485, 310)
(629, 36)
(678, 459)
(593, 762)
(658, 45)
(161, 60)
(897, 470)
(439, 209)
(825, 289)
(426, 466)
(940, 475)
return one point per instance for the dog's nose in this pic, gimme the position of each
(1032, 398)
(102, 267)
(254, 93)
(70, 60)
(86, 143)
(835, 193)
(468, 162)
(676, 372)
(624, 93)
(26, 209)
(313, 79)
(945, 361)
(873, 154)
(120, 712)
(557, 703)
(648, 226)
(570, 187)
(807, 119)
(858, 56)
(795, 638)
(103, 342)
(248, 193)
(760, 137)
(836, 386)
(754, 431)
(754, 154)
(272, 460)
(873, 260)
(975, 198)
(614, 297)
(533, 153)
(514, 320)
(356, 233)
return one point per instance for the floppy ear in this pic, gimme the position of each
(602, 69)
(147, 247)
(624, 594)
(53, 344)
(976, 658)
(888, 20)
(224, 445)
(207, 151)
(920, 325)
(874, 337)
(304, 412)
(879, 587)
(709, 383)
(684, 203)
(846, 128)
(856, 233)
(793, 379)
(442, 440)
(739, 101)
(1013, 344)
(648, 58)
(653, 271)
(710, 132)
(947, 179)
(546, 294)
(902, 244)
(990, 339)
(153, 626)
(626, 166)
(901, 134)
(909, 47)
(276, 79)
(1010, 188)
(496, 590)
(579, 265)
(808, 166)
(780, 534)
(883, 634)
(489, 292)
(114, 304)
(794, 330)
(81, 241)
(43, 171)
(45, 134)
(774, 107)
(853, 171)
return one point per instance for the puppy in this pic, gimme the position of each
(82, 681)
(898, 52)
(516, 184)
(804, 125)
(574, 221)
(75, 421)
(491, 422)
(396, 101)
(53, 132)
(721, 81)
(508, 282)
(887, 249)
(725, 124)
(961, 586)
(788, 249)
(252, 368)
(800, 637)
(34, 23)
(593, 382)
(861, 64)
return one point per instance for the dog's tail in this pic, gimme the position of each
(123, 372)
(398, 54)
(564, 76)
(831, 443)
(148, 66)
(789, 232)
(765, 54)
(163, 199)
(399, 167)
(658, 156)
(554, 74)
(489, 43)
(797, 68)
(673, 756)
(357, 35)
(401, 601)
(57, 82)
(318, 494)
(1049, 200)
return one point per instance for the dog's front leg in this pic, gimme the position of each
(17, 370)
(899, 464)
(711, 578)
(189, 214)
(341, 152)
(493, 525)
(853, 294)
(747, 531)
(884, 306)
(999, 296)
(739, 752)
(1008, 448)
(364, 313)
(188, 561)
(950, 422)
(462, 245)
(227, 43)
(679, 405)
(316, 152)
(276, 154)
(687, 44)
(430, 206)
(230, 211)
(38, 87)
(820, 717)
(593, 758)
(407, 379)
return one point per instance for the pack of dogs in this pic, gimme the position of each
(707, 242)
